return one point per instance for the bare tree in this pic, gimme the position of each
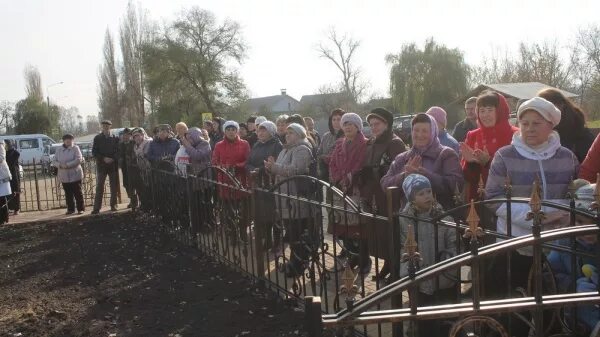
(7, 110)
(340, 50)
(33, 83)
(132, 33)
(108, 83)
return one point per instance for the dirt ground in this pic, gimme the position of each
(116, 276)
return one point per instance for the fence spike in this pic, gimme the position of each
(474, 231)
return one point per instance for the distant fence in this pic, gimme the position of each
(263, 227)
(41, 190)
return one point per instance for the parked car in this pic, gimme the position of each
(47, 158)
(402, 128)
(31, 146)
(86, 149)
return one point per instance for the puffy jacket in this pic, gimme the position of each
(4, 170)
(71, 158)
(231, 155)
(160, 149)
(198, 150)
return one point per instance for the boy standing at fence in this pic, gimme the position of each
(423, 206)
(106, 150)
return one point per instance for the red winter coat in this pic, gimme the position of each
(231, 155)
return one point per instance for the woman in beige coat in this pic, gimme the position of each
(68, 160)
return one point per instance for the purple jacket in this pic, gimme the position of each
(199, 151)
(439, 163)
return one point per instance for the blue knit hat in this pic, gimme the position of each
(414, 183)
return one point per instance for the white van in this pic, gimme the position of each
(29, 146)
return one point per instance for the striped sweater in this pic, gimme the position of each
(556, 167)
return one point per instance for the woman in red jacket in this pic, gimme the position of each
(231, 154)
(591, 165)
(482, 143)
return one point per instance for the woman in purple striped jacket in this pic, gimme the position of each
(535, 152)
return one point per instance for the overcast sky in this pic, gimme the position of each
(64, 38)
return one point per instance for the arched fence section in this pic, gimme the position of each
(315, 246)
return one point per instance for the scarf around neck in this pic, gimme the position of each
(544, 152)
(349, 156)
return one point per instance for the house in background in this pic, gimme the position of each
(319, 106)
(272, 106)
(514, 93)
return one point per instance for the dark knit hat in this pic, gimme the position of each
(383, 115)
(251, 119)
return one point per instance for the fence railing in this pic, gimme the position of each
(315, 246)
(41, 190)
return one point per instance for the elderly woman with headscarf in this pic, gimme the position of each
(267, 146)
(140, 168)
(534, 153)
(429, 158)
(294, 159)
(482, 143)
(347, 160)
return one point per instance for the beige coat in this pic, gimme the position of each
(70, 159)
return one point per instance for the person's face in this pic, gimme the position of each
(231, 133)
(68, 142)
(310, 124)
(263, 134)
(350, 130)
(424, 200)
(137, 138)
(291, 137)
(243, 132)
(163, 134)
(421, 134)
(251, 126)
(105, 128)
(281, 127)
(378, 127)
(208, 127)
(181, 130)
(335, 122)
(535, 130)
(470, 111)
(188, 137)
(126, 137)
(487, 115)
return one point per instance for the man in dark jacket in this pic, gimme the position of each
(125, 161)
(469, 123)
(164, 147)
(106, 150)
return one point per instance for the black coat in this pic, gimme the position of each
(261, 151)
(579, 144)
(12, 159)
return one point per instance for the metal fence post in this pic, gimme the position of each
(37, 186)
(395, 256)
(312, 313)
(259, 232)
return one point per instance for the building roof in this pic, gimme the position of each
(524, 90)
(256, 104)
(320, 99)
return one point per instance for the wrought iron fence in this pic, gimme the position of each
(41, 190)
(315, 246)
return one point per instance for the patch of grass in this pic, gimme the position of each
(593, 124)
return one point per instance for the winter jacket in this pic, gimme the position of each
(251, 138)
(163, 149)
(4, 170)
(462, 128)
(12, 159)
(324, 152)
(591, 165)
(579, 145)
(425, 233)
(71, 158)
(293, 160)
(261, 152)
(439, 164)
(140, 154)
(199, 151)
(555, 166)
(449, 141)
(231, 155)
(215, 137)
(106, 147)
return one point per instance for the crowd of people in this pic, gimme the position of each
(551, 143)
